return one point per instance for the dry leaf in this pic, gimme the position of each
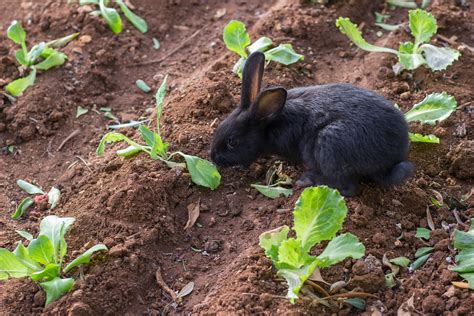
(404, 310)
(316, 276)
(193, 214)
(429, 219)
(461, 285)
(186, 290)
(220, 13)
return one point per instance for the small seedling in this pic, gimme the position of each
(464, 242)
(40, 198)
(318, 216)
(42, 260)
(434, 108)
(42, 56)
(421, 256)
(112, 17)
(410, 55)
(202, 171)
(237, 40)
(275, 181)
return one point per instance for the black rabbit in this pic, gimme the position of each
(341, 133)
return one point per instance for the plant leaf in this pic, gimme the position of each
(202, 172)
(236, 38)
(28, 187)
(435, 107)
(290, 254)
(260, 45)
(152, 139)
(283, 54)
(111, 16)
(296, 278)
(422, 233)
(340, 248)
(409, 58)
(350, 30)
(81, 111)
(25, 234)
(464, 240)
(11, 266)
(35, 52)
(419, 138)
(21, 58)
(239, 66)
(469, 277)
(113, 137)
(388, 27)
(16, 33)
(186, 290)
(49, 272)
(270, 241)
(419, 262)
(400, 261)
(56, 288)
(318, 215)
(410, 4)
(142, 85)
(128, 152)
(53, 60)
(272, 192)
(41, 250)
(85, 257)
(22, 254)
(21, 208)
(55, 228)
(439, 58)
(422, 25)
(159, 100)
(137, 21)
(357, 303)
(62, 41)
(156, 43)
(53, 197)
(423, 251)
(16, 87)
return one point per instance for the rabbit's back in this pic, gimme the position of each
(361, 129)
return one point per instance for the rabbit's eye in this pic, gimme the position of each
(231, 143)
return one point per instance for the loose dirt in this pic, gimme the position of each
(138, 207)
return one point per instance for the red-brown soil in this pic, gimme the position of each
(138, 207)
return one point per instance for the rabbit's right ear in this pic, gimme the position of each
(252, 79)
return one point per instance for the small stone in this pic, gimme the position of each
(450, 292)
(212, 246)
(39, 298)
(379, 239)
(212, 221)
(79, 309)
(117, 251)
(405, 95)
(84, 39)
(433, 304)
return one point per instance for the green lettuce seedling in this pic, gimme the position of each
(318, 216)
(39, 198)
(434, 108)
(411, 55)
(464, 242)
(237, 40)
(42, 260)
(202, 172)
(42, 56)
(112, 17)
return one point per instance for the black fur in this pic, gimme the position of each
(341, 133)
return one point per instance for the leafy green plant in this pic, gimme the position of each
(202, 172)
(237, 40)
(411, 55)
(464, 242)
(40, 198)
(42, 260)
(42, 56)
(112, 17)
(434, 108)
(318, 216)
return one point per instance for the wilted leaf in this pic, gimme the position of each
(53, 197)
(272, 192)
(81, 111)
(193, 214)
(28, 187)
(422, 233)
(186, 290)
(142, 85)
(401, 261)
(21, 208)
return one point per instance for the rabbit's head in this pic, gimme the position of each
(243, 136)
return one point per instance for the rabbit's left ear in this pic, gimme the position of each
(269, 103)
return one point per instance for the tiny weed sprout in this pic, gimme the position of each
(202, 172)
(411, 55)
(237, 40)
(318, 216)
(434, 108)
(42, 260)
(464, 242)
(41, 199)
(42, 56)
(112, 17)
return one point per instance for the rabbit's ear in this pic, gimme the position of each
(252, 79)
(269, 102)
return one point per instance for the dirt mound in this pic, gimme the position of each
(139, 207)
